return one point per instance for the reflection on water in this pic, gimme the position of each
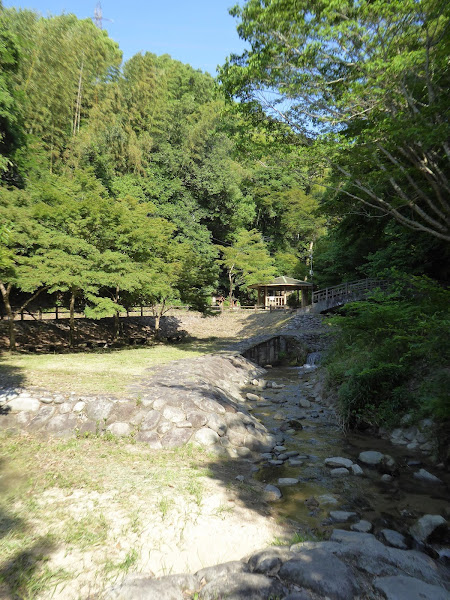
(395, 504)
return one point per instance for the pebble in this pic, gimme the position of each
(285, 481)
(338, 461)
(342, 516)
(362, 526)
(424, 475)
(393, 538)
(340, 472)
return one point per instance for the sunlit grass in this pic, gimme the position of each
(107, 371)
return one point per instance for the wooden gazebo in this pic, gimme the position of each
(275, 293)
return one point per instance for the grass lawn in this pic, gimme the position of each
(112, 371)
(99, 372)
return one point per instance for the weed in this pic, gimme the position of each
(164, 505)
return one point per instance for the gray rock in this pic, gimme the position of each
(425, 526)
(151, 438)
(401, 587)
(242, 586)
(119, 429)
(151, 420)
(373, 557)
(386, 478)
(341, 472)
(342, 516)
(142, 588)
(173, 414)
(210, 573)
(197, 418)
(292, 453)
(62, 425)
(79, 406)
(252, 397)
(317, 570)
(393, 538)
(46, 400)
(217, 424)
(176, 437)
(303, 595)
(272, 493)
(338, 461)
(286, 481)
(424, 475)
(304, 403)
(371, 457)
(356, 470)
(206, 437)
(65, 407)
(23, 404)
(270, 560)
(362, 526)
(99, 410)
(42, 417)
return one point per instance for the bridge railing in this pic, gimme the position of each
(350, 290)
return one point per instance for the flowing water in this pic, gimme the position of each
(394, 505)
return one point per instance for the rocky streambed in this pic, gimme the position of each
(373, 515)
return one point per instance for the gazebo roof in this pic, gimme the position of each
(286, 282)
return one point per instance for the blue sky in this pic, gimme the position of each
(198, 32)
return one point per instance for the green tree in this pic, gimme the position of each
(368, 82)
(246, 260)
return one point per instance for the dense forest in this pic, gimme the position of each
(150, 182)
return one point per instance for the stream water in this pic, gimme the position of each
(396, 504)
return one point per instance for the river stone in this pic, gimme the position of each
(340, 472)
(342, 516)
(65, 407)
(197, 418)
(272, 493)
(393, 538)
(79, 406)
(276, 463)
(173, 414)
(119, 429)
(242, 586)
(302, 595)
(176, 437)
(151, 438)
(269, 561)
(42, 417)
(371, 457)
(321, 572)
(62, 425)
(217, 424)
(304, 403)
(356, 470)
(210, 573)
(386, 478)
(401, 587)
(424, 527)
(206, 437)
(424, 475)
(143, 588)
(362, 526)
(122, 412)
(46, 400)
(23, 404)
(287, 481)
(338, 461)
(99, 410)
(209, 405)
(151, 420)
(327, 499)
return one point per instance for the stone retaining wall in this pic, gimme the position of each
(187, 401)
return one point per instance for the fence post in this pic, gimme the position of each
(128, 314)
(40, 314)
(21, 315)
(142, 311)
(56, 313)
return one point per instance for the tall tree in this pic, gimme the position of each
(366, 79)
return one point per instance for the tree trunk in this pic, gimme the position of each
(116, 316)
(230, 277)
(72, 318)
(11, 329)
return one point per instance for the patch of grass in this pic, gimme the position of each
(164, 505)
(106, 371)
(91, 530)
(122, 566)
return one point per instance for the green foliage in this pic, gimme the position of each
(391, 355)
(366, 80)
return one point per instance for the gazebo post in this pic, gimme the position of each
(304, 297)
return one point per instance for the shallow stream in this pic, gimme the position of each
(396, 504)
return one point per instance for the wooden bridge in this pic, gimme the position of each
(338, 295)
